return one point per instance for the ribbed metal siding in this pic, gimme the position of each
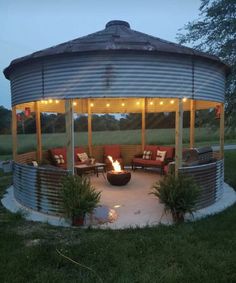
(38, 188)
(210, 179)
(118, 75)
(209, 81)
(27, 84)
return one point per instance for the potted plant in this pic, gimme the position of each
(178, 194)
(78, 198)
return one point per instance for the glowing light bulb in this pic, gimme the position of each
(122, 104)
(108, 105)
(91, 104)
(151, 103)
(42, 101)
(50, 100)
(46, 102)
(184, 99)
(172, 102)
(57, 101)
(161, 102)
(74, 103)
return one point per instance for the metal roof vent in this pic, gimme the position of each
(117, 23)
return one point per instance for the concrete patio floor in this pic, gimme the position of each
(130, 206)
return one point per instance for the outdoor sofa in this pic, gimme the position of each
(58, 156)
(150, 157)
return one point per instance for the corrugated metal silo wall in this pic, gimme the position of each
(112, 75)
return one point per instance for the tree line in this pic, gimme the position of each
(55, 123)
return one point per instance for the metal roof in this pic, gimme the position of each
(116, 36)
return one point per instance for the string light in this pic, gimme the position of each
(91, 104)
(184, 99)
(151, 103)
(50, 100)
(74, 103)
(57, 101)
(161, 102)
(122, 104)
(137, 102)
(108, 105)
(172, 102)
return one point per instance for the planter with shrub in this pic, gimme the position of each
(178, 194)
(78, 198)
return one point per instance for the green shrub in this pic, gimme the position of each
(178, 194)
(79, 196)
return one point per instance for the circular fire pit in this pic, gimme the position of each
(120, 178)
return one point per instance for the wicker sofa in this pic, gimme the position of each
(139, 161)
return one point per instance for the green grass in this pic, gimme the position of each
(156, 136)
(203, 251)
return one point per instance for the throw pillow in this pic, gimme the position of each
(147, 154)
(34, 163)
(82, 156)
(160, 155)
(59, 159)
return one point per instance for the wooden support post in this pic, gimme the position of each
(14, 133)
(89, 128)
(178, 136)
(143, 123)
(69, 135)
(192, 122)
(222, 126)
(38, 130)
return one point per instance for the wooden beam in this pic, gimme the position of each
(69, 135)
(89, 128)
(14, 133)
(178, 136)
(222, 126)
(38, 130)
(144, 123)
(192, 122)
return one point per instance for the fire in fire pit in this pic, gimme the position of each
(117, 177)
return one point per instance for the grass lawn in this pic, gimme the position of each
(156, 136)
(204, 251)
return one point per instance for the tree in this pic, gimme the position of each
(5, 120)
(215, 32)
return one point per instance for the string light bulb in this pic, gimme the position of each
(91, 104)
(172, 101)
(50, 100)
(161, 102)
(108, 105)
(151, 102)
(184, 99)
(74, 103)
(57, 101)
(122, 104)
(137, 102)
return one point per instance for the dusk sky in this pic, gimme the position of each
(28, 26)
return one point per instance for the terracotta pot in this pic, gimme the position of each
(77, 220)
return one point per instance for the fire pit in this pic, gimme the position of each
(117, 177)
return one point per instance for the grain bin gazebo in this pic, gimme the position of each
(119, 68)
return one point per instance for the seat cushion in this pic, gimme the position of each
(112, 150)
(143, 162)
